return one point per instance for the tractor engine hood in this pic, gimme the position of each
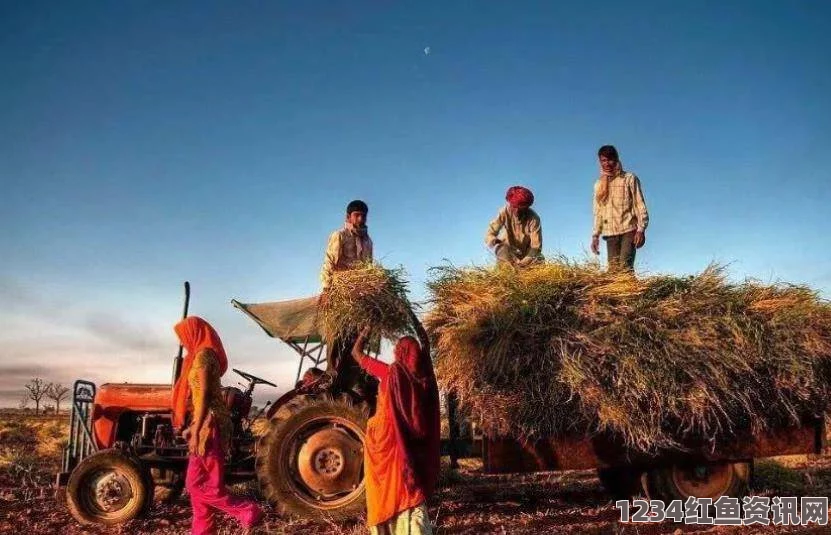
(134, 397)
(113, 400)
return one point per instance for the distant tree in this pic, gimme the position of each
(37, 390)
(24, 402)
(57, 393)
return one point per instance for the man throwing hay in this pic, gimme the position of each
(348, 248)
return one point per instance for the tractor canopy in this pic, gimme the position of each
(294, 320)
(295, 323)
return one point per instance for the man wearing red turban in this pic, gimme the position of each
(515, 235)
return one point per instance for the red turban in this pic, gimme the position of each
(519, 197)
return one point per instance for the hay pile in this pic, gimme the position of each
(369, 294)
(566, 349)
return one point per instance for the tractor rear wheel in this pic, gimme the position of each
(109, 487)
(310, 461)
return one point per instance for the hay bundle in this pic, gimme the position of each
(565, 348)
(369, 294)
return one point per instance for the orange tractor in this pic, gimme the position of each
(123, 452)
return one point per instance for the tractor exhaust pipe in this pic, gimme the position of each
(177, 362)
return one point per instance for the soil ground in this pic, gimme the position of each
(468, 501)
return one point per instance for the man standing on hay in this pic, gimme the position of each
(620, 214)
(520, 244)
(348, 248)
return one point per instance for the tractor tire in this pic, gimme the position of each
(621, 482)
(310, 461)
(109, 487)
(701, 480)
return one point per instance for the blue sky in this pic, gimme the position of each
(142, 144)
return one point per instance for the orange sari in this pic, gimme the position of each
(401, 451)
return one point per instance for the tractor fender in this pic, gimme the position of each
(314, 381)
(282, 400)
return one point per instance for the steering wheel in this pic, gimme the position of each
(253, 379)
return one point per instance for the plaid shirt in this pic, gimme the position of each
(346, 249)
(624, 209)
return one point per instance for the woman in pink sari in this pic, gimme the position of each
(209, 432)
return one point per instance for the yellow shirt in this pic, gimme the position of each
(217, 414)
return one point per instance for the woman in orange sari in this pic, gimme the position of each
(401, 450)
(209, 432)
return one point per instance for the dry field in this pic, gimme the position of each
(467, 502)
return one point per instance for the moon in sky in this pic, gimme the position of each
(426, 50)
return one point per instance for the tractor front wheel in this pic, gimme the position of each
(109, 487)
(310, 461)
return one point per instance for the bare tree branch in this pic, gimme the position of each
(57, 393)
(37, 390)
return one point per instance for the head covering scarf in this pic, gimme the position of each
(610, 152)
(195, 334)
(519, 197)
(414, 396)
(603, 187)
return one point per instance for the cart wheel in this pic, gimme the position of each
(621, 482)
(109, 487)
(701, 480)
(310, 462)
